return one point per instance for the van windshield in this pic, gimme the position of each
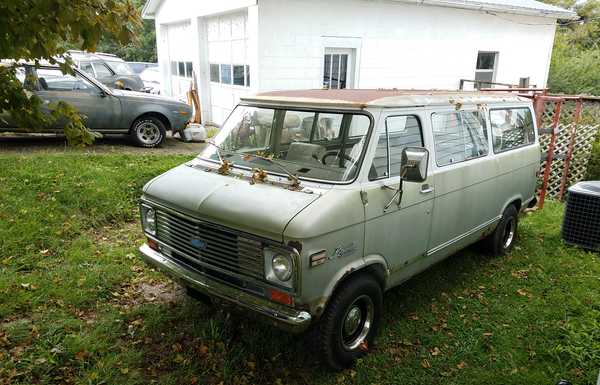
(321, 145)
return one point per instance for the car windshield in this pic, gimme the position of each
(319, 145)
(120, 68)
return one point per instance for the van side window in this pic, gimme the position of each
(459, 136)
(399, 132)
(511, 128)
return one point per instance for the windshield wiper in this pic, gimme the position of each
(294, 178)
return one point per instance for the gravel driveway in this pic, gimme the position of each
(48, 143)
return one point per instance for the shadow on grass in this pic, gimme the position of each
(191, 340)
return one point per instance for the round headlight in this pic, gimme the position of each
(282, 267)
(150, 221)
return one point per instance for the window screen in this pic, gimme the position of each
(400, 132)
(189, 68)
(238, 75)
(225, 73)
(511, 128)
(214, 73)
(458, 136)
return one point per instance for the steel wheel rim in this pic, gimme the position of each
(509, 233)
(357, 322)
(148, 132)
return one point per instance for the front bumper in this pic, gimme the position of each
(286, 318)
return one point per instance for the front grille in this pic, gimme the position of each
(217, 250)
(581, 223)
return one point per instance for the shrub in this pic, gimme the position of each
(593, 168)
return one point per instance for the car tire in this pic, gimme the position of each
(148, 131)
(350, 323)
(502, 240)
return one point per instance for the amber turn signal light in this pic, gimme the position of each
(153, 244)
(280, 297)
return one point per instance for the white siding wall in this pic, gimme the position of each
(397, 45)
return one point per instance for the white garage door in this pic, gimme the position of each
(228, 59)
(180, 57)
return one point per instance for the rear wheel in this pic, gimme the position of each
(148, 131)
(502, 240)
(350, 323)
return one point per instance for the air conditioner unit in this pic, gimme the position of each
(581, 223)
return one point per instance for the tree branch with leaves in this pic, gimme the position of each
(37, 30)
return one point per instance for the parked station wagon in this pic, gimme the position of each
(309, 205)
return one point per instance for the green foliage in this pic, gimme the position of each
(574, 68)
(73, 308)
(36, 30)
(141, 48)
(593, 166)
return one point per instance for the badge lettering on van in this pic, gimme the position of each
(344, 250)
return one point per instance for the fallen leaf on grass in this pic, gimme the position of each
(364, 346)
(461, 365)
(425, 364)
(435, 351)
(523, 293)
(488, 334)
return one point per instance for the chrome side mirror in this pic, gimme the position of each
(413, 164)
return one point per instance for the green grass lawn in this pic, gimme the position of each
(77, 305)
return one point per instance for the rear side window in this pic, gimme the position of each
(511, 128)
(459, 136)
(400, 132)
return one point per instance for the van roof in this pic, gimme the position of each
(362, 98)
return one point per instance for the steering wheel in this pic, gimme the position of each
(337, 154)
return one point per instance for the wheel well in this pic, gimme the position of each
(375, 270)
(157, 115)
(517, 203)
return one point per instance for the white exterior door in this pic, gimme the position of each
(227, 39)
(180, 58)
(338, 68)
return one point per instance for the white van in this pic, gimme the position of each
(309, 205)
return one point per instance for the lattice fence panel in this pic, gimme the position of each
(586, 133)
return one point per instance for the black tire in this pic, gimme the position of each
(148, 131)
(341, 343)
(502, 240)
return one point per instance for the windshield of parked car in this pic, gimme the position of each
(120, 68)
(318, 145)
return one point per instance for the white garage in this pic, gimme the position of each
(235, 47)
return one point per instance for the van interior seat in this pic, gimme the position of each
(305, 152)
(449, 148)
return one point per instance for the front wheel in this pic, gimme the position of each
(350, 323)
(148, 131)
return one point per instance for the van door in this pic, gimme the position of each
(465, 175)
(399, 233)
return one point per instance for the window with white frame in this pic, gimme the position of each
(227, 46)
(485, 70)
(182, 69)
(238, 75)
(338, 68)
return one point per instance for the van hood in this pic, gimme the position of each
(260, 209)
